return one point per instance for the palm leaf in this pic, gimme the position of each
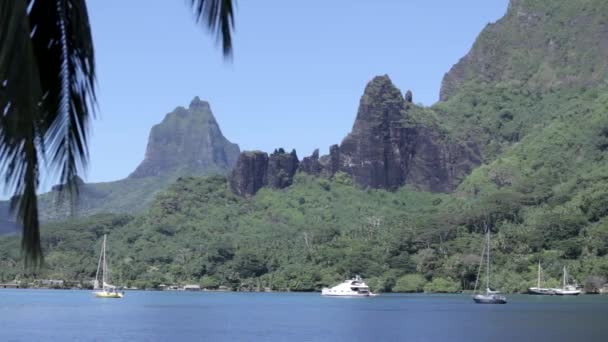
(218, 15)
(19, 134)
(47, 93)
(47, 68)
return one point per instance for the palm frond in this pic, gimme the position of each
(47, 96)
(218, 15)
(19, 94)
(47, 73)
(68, 108)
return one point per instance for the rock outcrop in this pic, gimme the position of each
(282, 167)
(311, 164)
(255, 170)
(379, 146)
(437, 164)
(387, 148)
(188, 141)
(250, 173)
(409, 97)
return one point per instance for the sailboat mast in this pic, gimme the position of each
(488, 264)
(564, 277)
(99, 265)
(538, 281)
(105, 266)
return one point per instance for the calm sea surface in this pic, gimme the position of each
(47, 315)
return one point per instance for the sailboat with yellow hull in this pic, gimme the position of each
(106, 290)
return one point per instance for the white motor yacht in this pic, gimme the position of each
(349, 288)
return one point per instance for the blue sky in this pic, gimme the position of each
(298, 71)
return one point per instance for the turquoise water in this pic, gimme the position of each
(47, 315)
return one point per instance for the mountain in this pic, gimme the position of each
(517, 145)
(525, 71)
(188, 142)
(544, 45)
(390, 145)
(393, 143)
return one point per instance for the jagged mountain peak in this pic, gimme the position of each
(197, 103)
(188, 140)
(380, 98)
(381, 87)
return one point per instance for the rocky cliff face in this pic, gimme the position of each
(379, 146)
(438, 164)
(541, 45)
(387, 148)
(250, 173)
(188, 140)
(282, 167)
(255, 170)
(311, 164)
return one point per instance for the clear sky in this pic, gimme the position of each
(298, 71)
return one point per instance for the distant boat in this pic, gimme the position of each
(490, 296)
(540, 290)
(567, 289)
(106, 290)
(354, 287)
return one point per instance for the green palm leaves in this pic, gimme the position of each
(47, 96)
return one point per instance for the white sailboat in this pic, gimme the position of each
(490, 296)
(540, 290)
(567, 289)
(106, 290)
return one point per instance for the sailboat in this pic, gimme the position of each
(567, 289)
(490, 296)
(540, 290)
(106, 290)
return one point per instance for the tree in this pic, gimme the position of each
(410, 283)
(47, 96)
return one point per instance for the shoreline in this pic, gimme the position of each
(257, 292)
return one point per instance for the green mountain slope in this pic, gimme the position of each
(528, 69)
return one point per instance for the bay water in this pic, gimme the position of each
(56, 315)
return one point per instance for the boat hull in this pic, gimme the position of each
(329, 293)
(348, 295)
(567, 292)
(103, 294)
(541, 291)
(489, 299)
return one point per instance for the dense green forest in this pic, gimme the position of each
(319, 231)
